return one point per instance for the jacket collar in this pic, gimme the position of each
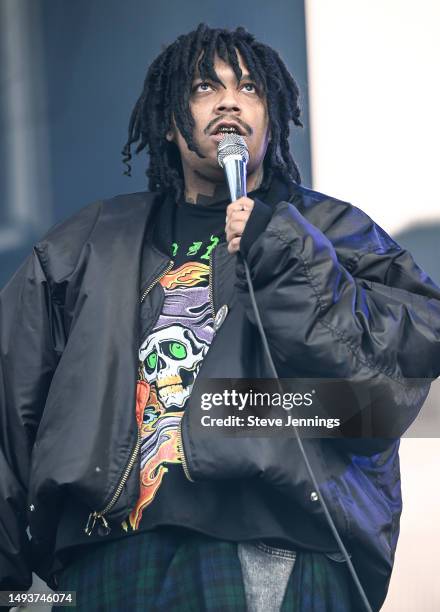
(156, 251)
(278, 191)
(156, 247)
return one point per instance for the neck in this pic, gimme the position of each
(212, 192)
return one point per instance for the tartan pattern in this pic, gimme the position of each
(172, 570)
(157, 571)
(318, 584)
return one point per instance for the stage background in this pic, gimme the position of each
(71, 73)
(374, 100)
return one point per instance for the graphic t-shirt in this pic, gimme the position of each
(171, 352)
(171, 356)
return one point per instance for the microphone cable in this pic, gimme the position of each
(301, 447)
(233, 156)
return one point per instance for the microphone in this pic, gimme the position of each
(232, 156)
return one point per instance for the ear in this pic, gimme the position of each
(171, 133)
(269, 133)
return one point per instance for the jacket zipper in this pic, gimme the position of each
(181, 451)
(151, 285)
(94, 516)
(211, 298)
(179, 429)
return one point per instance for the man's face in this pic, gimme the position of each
(211, 104)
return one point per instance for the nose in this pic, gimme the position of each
(228, 102)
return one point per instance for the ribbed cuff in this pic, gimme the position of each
(256, 224)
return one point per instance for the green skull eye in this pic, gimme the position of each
(151, 360)
(176, 350)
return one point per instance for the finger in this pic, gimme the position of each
(241, 207)
(240, 204)
(242, 215)
(234, 211)
(234, 245)
(236, 227)
(243, 202)
(232, 235)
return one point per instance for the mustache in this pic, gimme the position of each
(246, 127)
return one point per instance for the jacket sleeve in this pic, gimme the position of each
(345, 303)
(30, 330)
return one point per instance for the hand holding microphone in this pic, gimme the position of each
(232, 156)
(237, 214)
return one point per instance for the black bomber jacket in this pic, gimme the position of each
(336, 294)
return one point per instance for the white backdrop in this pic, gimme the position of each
(375, 103)
(375, 100)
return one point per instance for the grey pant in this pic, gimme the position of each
(266, 571)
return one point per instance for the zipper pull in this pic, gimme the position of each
(103, 530)
(89, 527)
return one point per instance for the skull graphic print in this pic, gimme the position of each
(169, 360)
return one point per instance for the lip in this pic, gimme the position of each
(229, 124)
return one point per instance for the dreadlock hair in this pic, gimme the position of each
(166, 94)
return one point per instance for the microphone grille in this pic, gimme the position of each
(232, 144)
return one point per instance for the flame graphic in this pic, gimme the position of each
(189, 274)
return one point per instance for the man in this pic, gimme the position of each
(127, 502)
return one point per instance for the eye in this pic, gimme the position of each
(252, 85)
(174, 349)
(202, 84)
(151, 361)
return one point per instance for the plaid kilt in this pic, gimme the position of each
(175, 570)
